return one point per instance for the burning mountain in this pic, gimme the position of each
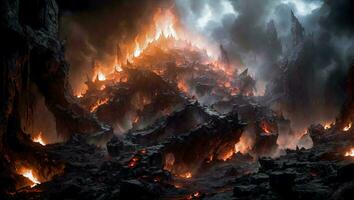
(151, 107)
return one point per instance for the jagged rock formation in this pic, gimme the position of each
(32, 54)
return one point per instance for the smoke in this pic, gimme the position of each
(258, 35)
(307, 79)
(92, 30)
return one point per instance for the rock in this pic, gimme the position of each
(282, 182)
(346, 173)
(134, 189)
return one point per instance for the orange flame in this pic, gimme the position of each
(39, 139)
(28, 173)
(186, 175)
(350, 153)
(348, 127)
(101, 76)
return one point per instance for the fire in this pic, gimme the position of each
(244, 145)
(39, 139)
(350, 153)
(328, 125)
(194, 195)
(348, 127)
(28, 173)
(186, 175)
(99, 103)
(182, 86)
(164, 22)
(101, 76)
(133, 162)
(228, 155)
(266, 127)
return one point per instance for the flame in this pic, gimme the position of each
(186, 175)
(28, 173)
(266, 127)
(348, 127)
(350, 153)
(182, 86)
(194, 195)
(101, 76)
(327, 126)
(244, 145)
(228, 155)
(39, 139)
(99, 103)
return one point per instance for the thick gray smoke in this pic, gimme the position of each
(303, 56)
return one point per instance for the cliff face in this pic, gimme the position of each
(31, 54)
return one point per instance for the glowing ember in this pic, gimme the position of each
(79, 96)
(348, 127)
(194, 195)
(187, 175)
(101, 76)
(350, 153)
(99, 103)
(39, 139)
(29, 175)
(133, 162)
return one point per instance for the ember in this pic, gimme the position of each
(99, 103)
(133, 162)
(186, 175)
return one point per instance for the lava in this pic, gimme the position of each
(99, 103)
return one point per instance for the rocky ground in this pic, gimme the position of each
(322, 172)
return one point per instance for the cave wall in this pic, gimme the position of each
(31, 53)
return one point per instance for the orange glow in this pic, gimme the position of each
(39, 139)
(101, 76)
(244, 145)
(350, 153)
(328, 125)
(182, 86)
(228, 155)
(266, 127)
(186, 175)
(28, 173)
(133, 162)
(348, 127)
(99, 103)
